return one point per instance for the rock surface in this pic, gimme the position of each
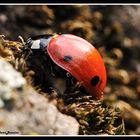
(24, 111)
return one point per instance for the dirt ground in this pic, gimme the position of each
(113, 30)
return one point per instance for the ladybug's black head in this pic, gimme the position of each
(38, 42)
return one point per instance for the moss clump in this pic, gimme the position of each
(94, 117)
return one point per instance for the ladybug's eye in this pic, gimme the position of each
(95, 80)
(28, 43)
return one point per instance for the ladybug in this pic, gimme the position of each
(75, 55)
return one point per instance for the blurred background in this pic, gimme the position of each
(113, 30)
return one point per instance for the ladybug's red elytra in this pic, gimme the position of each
(77, 56)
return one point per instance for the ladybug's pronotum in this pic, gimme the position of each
(76, 56)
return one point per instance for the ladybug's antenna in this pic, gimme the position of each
(22, 40)
(25, 46)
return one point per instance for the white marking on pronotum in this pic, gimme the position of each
(36, 44)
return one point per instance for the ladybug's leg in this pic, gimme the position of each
(69, 79)
(56, 77)
(72, 83)
(51, 67)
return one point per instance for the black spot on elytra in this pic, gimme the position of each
(95, 80)
(67, 58)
